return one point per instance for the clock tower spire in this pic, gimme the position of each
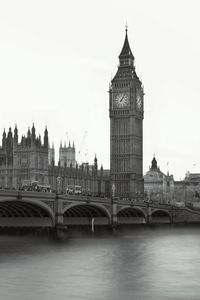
(126, 56)
(126, 126)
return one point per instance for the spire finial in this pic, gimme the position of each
(126, 27)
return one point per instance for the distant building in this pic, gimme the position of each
(163, 188)
(33, 159)
(191, 187)
(158, 187)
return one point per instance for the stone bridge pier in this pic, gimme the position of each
(58, 211)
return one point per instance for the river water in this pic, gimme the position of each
(146, 263)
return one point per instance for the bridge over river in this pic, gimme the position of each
(36, 209)
(52, 210)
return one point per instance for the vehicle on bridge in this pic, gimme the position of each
(34, 186)
(194, 204)
(44, 188)
(74, 190)
(180, 204)
(29, 185)
(86, 192)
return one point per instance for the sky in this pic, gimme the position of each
(57, 59)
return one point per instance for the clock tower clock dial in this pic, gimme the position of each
(126, 133)
(121, 100)
(138, 101)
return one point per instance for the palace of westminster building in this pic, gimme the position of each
(31, 158)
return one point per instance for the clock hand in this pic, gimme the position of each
(122, 99)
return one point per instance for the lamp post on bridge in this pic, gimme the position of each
(58, 182)
(112, 199)
(149, 201)
(58, 203)
(113, 209)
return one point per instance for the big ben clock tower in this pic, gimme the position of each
(126, 128)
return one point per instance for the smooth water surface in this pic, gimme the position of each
(139, 264)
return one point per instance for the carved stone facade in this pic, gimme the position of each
(27, 159)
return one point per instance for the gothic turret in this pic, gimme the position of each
(33, 133)
(16, 134)
(28, 141)
(9, 140)
(4, 139)
(39, 141)
(101, 171)
(10, 133)
(46, 141)
(95, 163)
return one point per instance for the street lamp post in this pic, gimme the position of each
(58, 180)
(112, 200)
(148, 213)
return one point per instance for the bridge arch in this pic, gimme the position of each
(83, 213)
(25, 213)
(161, 216)
(131, 215)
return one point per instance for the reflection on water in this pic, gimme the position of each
(140, 264)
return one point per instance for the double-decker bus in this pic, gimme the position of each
(73, 190)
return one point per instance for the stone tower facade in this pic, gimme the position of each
(51, 155)
(67, 155)
(126, 127)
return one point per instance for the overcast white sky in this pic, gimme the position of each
(57, 59)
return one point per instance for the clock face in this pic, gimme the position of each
(121, 100)
(138, 101)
